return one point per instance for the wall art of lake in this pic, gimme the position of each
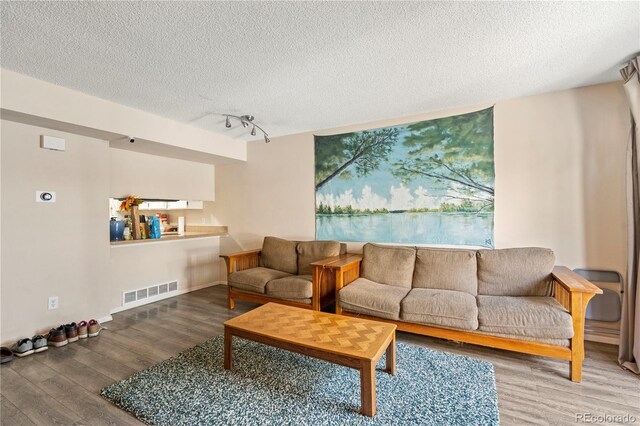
(469, 229)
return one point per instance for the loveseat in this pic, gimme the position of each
(514, 299)
(281, 272)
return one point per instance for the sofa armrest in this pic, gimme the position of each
(573, 282)
(241, 260)
(340, 270)
(574, 293)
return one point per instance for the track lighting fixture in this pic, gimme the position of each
(246, 121)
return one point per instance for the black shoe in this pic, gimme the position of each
(5, 355)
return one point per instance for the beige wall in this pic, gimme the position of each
(59, 249)
(63, 249)
(195, 263)
(559, 158)
(151, 176)
(61, 106)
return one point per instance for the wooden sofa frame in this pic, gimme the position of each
(323, 284)
(570, 289)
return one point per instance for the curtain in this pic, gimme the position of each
(629, 355)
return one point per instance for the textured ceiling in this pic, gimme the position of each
(300, 66)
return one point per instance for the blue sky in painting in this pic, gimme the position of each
(381, 189)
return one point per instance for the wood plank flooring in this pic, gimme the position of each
(62, 385)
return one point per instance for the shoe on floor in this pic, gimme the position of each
(72, 332)
(94, 328)
(57, 337)
(82, 330)
(39, 343)
(5, 355)
(22, 347)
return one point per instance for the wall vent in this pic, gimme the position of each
(129, 297)
(149, 294)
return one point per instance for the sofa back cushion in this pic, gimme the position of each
(446, 270)
(279, 254)
(515, 272)
(310, 251)
(391, 265)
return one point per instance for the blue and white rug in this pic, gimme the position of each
(272, 386)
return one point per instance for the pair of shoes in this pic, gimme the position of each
(24, 347)
(64, 334)
(5, 355)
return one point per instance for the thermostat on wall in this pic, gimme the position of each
(45, 197)
(50, 142)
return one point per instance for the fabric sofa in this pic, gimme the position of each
(513, 299)
(281, 272)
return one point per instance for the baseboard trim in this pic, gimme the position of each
(105, 319)
(163, 297)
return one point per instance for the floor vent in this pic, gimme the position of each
(149, 294)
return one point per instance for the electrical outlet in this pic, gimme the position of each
(53, 302)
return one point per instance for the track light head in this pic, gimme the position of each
(266, 138)
(228, 123)
(253, 131)
(244, 124)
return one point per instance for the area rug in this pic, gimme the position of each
(276, 387)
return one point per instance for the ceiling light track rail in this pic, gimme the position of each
(246, 121)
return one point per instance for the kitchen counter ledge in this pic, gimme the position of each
(190, 233)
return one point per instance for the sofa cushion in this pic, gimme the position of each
(291, 287)
(541, 317)
(370, 298)
(446, 270)
(515, 272)
(254, 279)
(391, 265)
(446, 308)
(311, 251)
(279, 254)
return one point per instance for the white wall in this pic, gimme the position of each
(151, 176)
(560, 163)
(59, 249)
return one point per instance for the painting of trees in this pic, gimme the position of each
(365, 151)
(429, 182)
(457, 152)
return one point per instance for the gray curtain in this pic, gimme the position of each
(629, 355)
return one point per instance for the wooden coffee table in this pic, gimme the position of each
(352, 342)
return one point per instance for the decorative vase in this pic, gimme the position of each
(135, 223)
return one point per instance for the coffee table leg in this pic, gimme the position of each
(368, 388)
(391, 356)
(228, 356)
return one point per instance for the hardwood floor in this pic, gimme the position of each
(61, 385)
